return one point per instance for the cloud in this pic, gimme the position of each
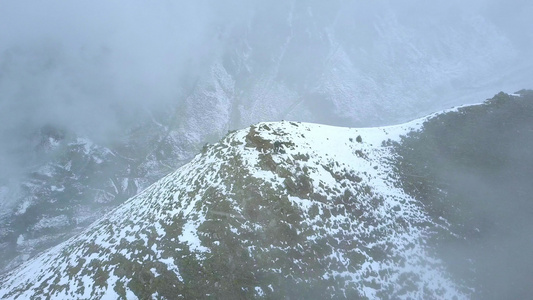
(93, 66)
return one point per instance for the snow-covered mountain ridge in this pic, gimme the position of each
(320, 218)
(435, 208)
(338, 63)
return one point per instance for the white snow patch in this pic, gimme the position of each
(54, 188)
(20, 240)
(259, 291)
(130, 295)
(154, 271)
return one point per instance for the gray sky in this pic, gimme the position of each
(78, 62)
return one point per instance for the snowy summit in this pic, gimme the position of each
(276, 210)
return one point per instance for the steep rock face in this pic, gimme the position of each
(318, 218)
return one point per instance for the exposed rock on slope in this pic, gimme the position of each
(75, 181)
(320, 219)
(343, 63)
(436, 208)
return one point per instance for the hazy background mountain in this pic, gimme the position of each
(437, 208)
(319, 219)
(98, 99)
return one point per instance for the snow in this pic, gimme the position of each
(87, 144)
(54, 188)
(190, 236)
(154, 271)
(20, 240)
(110, 293)
(171, 266)
(21, 209)
(130, 295)
(332, 144)
(259, 291)
(51, 222)
(330, 150)
(304, 204)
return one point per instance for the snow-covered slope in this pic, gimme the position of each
(340, 63)
(319, 218)
(435, 208)
(73, 181)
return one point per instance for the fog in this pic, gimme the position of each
(98, 69)
(475, 172)
(90, 66)
(96, 66)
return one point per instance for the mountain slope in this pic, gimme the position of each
(73, 181)
(472, 169)
(340, 63)
(320, 219)
(436, 208)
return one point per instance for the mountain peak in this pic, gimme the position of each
(277, 210)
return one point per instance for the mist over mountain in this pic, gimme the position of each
(315, 218)
(437, 208)
(472, 170)
(98, 100)
(97, 67)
